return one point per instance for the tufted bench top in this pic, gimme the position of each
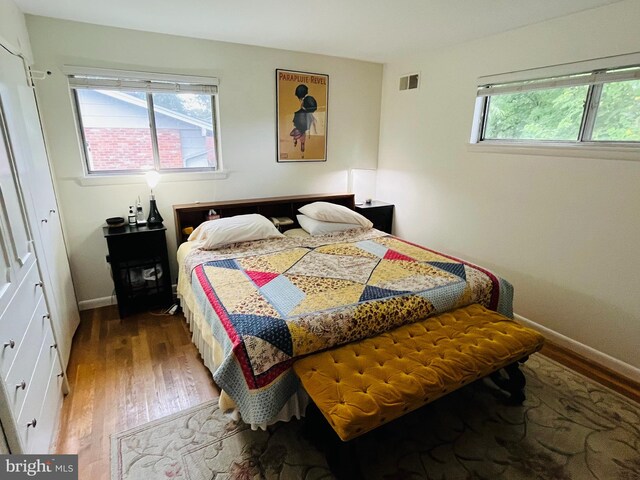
(362, 385)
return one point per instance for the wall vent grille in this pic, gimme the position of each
(410, 81)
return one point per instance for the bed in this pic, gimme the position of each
(255, 307)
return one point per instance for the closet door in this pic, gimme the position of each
(16, 250)
(35, 176)
(20, 284)
(31, 374)
(65, 316)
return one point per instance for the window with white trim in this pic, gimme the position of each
(131, 122)
(596, 107)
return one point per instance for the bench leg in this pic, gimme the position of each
(343, 461)
(341, 456)
(513, 383)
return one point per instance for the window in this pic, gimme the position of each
(133, 121)
(597, 107)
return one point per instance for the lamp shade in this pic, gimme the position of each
(363, 184)
(153, 178)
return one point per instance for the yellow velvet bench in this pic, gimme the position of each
(362, 385)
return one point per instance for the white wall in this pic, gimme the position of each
(247, 113)
(13, 30)
(564, 230)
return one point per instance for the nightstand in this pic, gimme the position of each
(380, 213)
(140, 267)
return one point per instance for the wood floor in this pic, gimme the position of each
(597, 373)
(124, 373)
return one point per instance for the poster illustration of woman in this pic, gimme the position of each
(301, 102)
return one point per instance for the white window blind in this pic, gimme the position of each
(105, 79)
(589, 78)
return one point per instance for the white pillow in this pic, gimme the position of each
(330, 212)
(318, 227)
(241, 228)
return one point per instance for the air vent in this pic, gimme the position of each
(410, 82)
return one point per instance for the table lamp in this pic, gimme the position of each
(154, 219)
(362, 183)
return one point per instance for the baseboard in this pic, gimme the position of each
(97, 302)
(106, 301)
(586, 352)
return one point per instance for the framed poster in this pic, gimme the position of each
(301, 111)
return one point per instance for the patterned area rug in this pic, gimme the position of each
(568, 428)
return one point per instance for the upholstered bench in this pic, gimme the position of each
(362, 385)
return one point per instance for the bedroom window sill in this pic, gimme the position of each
(605, 152)
(126, 179)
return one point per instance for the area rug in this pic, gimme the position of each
(568, 428)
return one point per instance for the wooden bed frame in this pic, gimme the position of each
(193, 214)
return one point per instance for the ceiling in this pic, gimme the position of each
(374, 30)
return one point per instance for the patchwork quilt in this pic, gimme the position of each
(271, 301)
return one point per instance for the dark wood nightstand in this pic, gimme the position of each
(140, 266)
(380, 213)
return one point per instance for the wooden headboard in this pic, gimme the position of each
(193, 214)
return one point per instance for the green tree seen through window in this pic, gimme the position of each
(618, 117)
(553, 114)
(193, 105)
(556, 114)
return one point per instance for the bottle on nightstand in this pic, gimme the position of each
(140, 220)
(131, 216)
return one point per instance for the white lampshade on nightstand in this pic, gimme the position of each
(362, 183)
